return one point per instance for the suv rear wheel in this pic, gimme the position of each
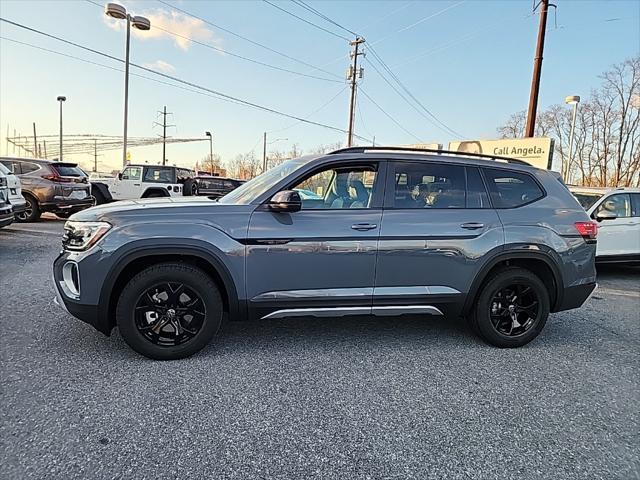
(169, 311)
(512, 308)
(32, 211)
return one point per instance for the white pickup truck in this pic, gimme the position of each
(144, 181)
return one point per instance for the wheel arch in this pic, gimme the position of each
(541, 264)
(162, 191)
(103, 188)
(132, 263)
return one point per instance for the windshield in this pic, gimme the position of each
(248, 192)
(587, 199)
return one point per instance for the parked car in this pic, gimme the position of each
(144, 181)
(14, 191)
(57, 187)
(395, 232)
(617, 211)
(6, 209)
(212, 186)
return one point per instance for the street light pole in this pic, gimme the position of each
(115, 10)
(571, 100)
(208, 134)
(60, 100)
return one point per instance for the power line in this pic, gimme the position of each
(236, 55)
(176, 79)
(440, 124)
(312, 113)
(306, 21)
(246, 39)
(323, 16)
(389, 116)
(428, 17)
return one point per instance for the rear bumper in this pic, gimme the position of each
(576, 296)
(62, 204)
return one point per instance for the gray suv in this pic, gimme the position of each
(388, 231)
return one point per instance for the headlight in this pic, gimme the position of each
(83, 235)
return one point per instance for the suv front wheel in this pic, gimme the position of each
(512, 308)
(169, 311)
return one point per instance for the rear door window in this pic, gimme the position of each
(635, 204)
(428, 185)
(510, 189)
(159, 174)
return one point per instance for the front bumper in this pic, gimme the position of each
(6, 215)
(91, 314)
(18, 206)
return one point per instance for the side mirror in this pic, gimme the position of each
(120, 176)
(605, 215)
(285, 201)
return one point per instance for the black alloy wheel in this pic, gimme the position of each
(514, 309)
(169, 314)
(169, 311)
(511, 308)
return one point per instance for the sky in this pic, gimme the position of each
(468, 62)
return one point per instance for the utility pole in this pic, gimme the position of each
(35, 141)
(264, 152)
(537, 69)
(352, 75)
(164, 126)
(95, 155)
(45, 148)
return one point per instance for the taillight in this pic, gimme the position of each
(588, 230)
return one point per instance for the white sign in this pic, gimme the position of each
(537, 151)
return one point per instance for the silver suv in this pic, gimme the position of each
(379, 231)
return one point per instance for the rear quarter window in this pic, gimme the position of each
(509, 189)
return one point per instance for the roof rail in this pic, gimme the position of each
(431, 150)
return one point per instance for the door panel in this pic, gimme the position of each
(429, 254)
(620, 236)
(322, 257)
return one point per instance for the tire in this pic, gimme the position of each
(190, 188)
(142, 337)
(100, 199)
(527, 288)
(32, 212)
(154, 195)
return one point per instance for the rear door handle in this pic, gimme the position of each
(363, 227)
(472, 225)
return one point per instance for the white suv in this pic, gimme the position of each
(143, 181)
(12, 188)
(617, 211)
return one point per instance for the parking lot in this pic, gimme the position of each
(315, 398)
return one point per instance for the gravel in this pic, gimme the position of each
(308, 398)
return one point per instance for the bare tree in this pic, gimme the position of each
(606, 147)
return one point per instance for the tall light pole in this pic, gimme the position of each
(571, 100)
(208, 134)
(60, 100)
(115, 10)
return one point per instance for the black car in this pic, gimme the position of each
(211, 186)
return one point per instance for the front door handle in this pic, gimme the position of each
(363, 227)
(472, 225)
(136, 184)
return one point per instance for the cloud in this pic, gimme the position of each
(161, 66)
(163, 21)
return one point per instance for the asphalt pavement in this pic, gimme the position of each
(315, 398)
